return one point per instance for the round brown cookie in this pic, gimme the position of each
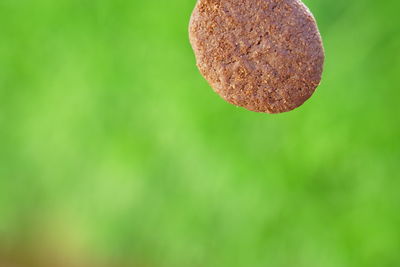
(263, 55)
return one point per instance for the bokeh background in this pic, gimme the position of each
(114, 151)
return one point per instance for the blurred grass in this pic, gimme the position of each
(114, 147)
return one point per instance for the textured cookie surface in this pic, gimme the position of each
(263, 55)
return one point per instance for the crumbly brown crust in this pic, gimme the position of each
(263, 55)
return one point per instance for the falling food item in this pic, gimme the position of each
(263, 55)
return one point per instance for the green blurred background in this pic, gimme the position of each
(114, 151)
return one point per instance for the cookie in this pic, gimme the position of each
(263, 55)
